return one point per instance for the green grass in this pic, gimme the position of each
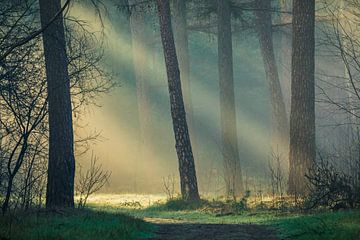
(200, 212)
(328, 225)
(343, 225)
(114, 222)
(74, 225)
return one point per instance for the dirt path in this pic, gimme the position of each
(177, 230)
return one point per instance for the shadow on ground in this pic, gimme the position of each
(190, 231)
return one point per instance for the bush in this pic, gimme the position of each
(331, 188)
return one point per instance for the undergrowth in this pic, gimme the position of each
(71, 224)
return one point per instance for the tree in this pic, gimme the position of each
(179, 15)
(23, 110)
(229, 141)
(23, 102)
(302, 115)
(139, 35)
(188, 181)
(61, 169)
(264, 29)
(285, 31)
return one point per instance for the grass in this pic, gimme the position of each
(328, 225)
(74, 225)
(117, 222)
(342, 225)
(200, 212)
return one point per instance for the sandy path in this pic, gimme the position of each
(178, 230)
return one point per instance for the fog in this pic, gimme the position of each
(139, 167)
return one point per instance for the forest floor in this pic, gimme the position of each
(216, 220)
(169, 229)
(131, 218)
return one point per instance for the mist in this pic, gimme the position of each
(116, 119)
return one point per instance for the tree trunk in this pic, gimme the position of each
(302, 116)
(280, 141)
(229, 141)
(285, 53)
(182, 52)
(61, 169)
(6, 202)
(12, 173)
(188, 181)
(141, 71)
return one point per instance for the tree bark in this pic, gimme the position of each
(61, 169)
(229, 141)
(188, 181)
(280, 138)
(302, 116)
(182, 51)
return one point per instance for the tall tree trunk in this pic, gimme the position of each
(285, 53)
(188, 181)
(61, 171)
(182, 51)
(141, 71)
(229, 141)
(280, 142)
(302, 116)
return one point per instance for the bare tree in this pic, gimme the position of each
(169, 186)
(339, 40)
(277, 176)
(23, 101)
(92, 181)
(23, 111)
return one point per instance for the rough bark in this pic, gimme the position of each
(302, 116)
(280, 138)
(61, 169)
(141, 71)
(182, 51)
(229, 141)
(188, 181)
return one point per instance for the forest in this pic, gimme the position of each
(180, 119)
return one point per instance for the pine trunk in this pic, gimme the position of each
(229, 141)
(285, 53)
(188, 181)
(302, 116)
(182, 51)
(61, 169)
(141, 71)
(280, 142)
